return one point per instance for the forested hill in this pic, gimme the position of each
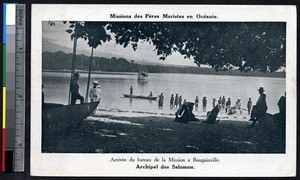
(62, 61)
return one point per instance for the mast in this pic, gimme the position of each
(73, 66)
(89, 77)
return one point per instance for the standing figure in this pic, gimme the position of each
(95, 92)
(204, 104)
(172, 101)
(176, 101)
(214, 102)
(249, 105)
(223, 103)
(228, 106)
(180, 100)
(238, 105)
(131, 90)
(160, 100)
(260, 108)
(219, 104)
(196, 103)
(74, 88)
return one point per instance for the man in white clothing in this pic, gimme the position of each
(95, 92)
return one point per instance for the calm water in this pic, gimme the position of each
(188, 85)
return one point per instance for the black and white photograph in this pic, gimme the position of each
(171, 91)
(163, 87)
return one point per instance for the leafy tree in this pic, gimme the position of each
(248, 46)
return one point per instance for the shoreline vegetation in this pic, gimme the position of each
(60, 62)
(153, 134)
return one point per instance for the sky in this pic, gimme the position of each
(144, 54)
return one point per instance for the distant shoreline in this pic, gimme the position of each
(93, 72)
(135, 73)
(60, 62)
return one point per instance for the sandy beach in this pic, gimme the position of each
(153, 134)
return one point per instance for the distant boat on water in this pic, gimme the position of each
(143, 75)
(140, 97)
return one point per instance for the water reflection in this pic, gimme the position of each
(130, 101)
(142, 84)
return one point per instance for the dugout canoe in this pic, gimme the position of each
(57, 117)
(140, 97)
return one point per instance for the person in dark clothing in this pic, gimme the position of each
(204, 104)
(282, 105)
(212, 116)
(161, 100)
(185, 113)
(249, 105)
(176, 102)
(131, 90)
(196, 103)
(74, 88)
(172, 101)
(180, 100)
(281, 116)
(260, 108)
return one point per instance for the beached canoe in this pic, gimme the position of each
(140, 97)
(57, 117)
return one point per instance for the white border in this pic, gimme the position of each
(43, 164)
(10, 14)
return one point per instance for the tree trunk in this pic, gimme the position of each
(73, 66)
(89, 77)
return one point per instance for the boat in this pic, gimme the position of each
(140, 97)
(143, 75)
(58, 117)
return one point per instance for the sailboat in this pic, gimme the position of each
(143, 74)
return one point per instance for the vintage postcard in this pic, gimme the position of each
(169, 90)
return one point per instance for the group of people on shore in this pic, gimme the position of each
(224, 106)
(256, 111)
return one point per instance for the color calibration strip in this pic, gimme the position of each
(13, 117)
(9, 33)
